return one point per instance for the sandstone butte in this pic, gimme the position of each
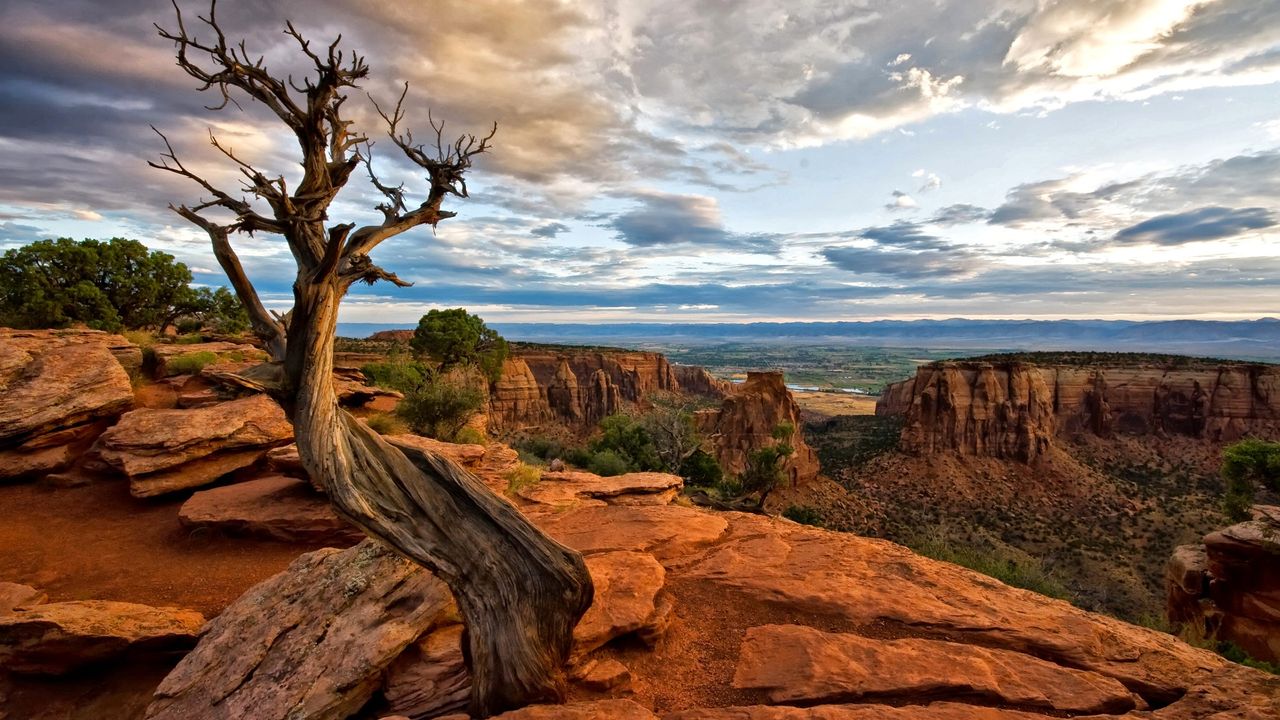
(1228, 586)
(698, 615)
(1015, 410)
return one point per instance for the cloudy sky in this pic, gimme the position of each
(702, 160)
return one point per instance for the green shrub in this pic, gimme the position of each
(385, 424)
(455, 337)
(1236, 654)
(1026, 572)
(521, 477)
(804, 515)
(1246, 465)
(402, 375)
(190, 363)
(438, 408)
(701, 470)
(608, 463)
(629, 440)
(470, 436)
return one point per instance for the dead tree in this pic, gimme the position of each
(520, 592)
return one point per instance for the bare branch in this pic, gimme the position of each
(246, 218)
(361, 269)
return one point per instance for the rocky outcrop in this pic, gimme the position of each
(15, 597)
(163, 451)
(629, 600)
(579, 388)
(275, 507)
(312, 642)
(1228, 588)
(568, 487)
(747, 421)
(942, 409)
(1002, 410)
(798, 665)
(61, 389)
(57, 638)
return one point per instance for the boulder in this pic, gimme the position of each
(18, 597)
(797, 665)
(274, 507)
(57, 638)
(569, 487)
(628, 587)
(60, 392)
(163, 451)
(311, 643)
(604, 676)
(430, 678)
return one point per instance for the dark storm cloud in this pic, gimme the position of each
(1208, 223)
(960, 214)
(661, 219)
(905, 235)
(549, 230)
(904, 265)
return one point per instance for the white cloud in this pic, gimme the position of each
(901, 201)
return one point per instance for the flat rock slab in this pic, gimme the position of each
(222, 352)
(166, 450)
(600, 710)
(627, 588)
(17, 597)
(491, 463)
(569, 487)
(56, 638)
(667, 531)
(865, 580)
(274, 507)
(311, 643)
(799, 665)
(933, 711)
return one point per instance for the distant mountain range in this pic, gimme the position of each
(1242, 339)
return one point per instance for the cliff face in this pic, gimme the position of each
(1229, 586)
(581, 388)
(949, 405)
(1002, 410)
(746, 421)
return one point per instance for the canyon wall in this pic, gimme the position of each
(579, 388)
(1015, 409)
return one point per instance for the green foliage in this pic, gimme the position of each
(701, 470)
(190, 363)
(804, 515)
(398, 374)
(385, 424)
(439, 408)
(109, 285)
(629, 440)
(523, 476)
(1236, 654)
(470, 436)
(764, 465)
(456, 337)
(1023, 572)
(1246, 465)
(607, 463)
(219, 310)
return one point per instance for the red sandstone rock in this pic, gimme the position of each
(230, 356)
(746, 422)
(604, 676)
(162, 451)
(667, 531)
(18, 597)
(311, 643)
(802, 666)
(933, 711)
(56, 638)
(430, 678)
(60, 390)
(627, 589)
(569, 487)
(274, 507)
(599, 710)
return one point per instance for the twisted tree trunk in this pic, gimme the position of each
(520, 592)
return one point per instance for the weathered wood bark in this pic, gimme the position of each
(520, 592)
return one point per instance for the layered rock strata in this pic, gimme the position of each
(61, 389)
(1228, 587)
(747, 421)
(1016, 410)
